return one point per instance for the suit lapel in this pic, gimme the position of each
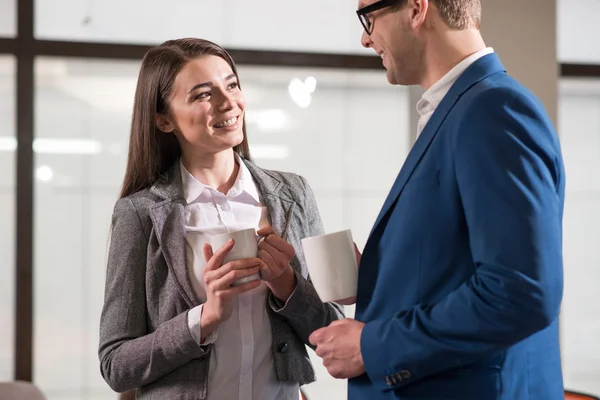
(280, 205)
(478, 71)
(168, 219)
(414, 156)
(169, 224)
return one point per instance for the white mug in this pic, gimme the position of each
(331, 262)
(245, 246)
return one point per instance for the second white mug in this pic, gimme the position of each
(331, 262)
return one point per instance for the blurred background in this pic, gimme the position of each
(318, 105)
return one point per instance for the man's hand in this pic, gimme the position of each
(339, 346)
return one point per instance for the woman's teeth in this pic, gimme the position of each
(224, 124)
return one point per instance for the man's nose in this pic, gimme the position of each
(365, 40)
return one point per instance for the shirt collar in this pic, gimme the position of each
(434, 95)
(244, 184)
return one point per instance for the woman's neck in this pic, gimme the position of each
(218, 171)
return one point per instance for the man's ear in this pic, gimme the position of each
(419, 10)
(164, 124)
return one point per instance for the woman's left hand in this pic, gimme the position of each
(277, 255)
(275, 252)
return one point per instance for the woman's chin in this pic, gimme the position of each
(234, 138)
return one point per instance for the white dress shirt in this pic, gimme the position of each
(434, 95)
(241, 362)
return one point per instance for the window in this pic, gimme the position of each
(579, 127)
(577, 30)
(8, 146)
(8, 18)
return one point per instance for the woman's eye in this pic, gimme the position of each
(202, 95)
(233, 85)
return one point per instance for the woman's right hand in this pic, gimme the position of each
(218, 278)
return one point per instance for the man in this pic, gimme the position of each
(460, 281)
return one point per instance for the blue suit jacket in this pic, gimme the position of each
(461, 279)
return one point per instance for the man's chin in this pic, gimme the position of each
(396, 79)
(391, 77)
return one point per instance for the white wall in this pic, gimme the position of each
(307, 25)
(523, 33)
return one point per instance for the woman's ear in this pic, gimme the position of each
(164, 124)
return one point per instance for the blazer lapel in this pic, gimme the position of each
(280, 205)
(169, 224)
(476, 72)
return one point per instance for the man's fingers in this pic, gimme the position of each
(320, 351)
(316, 336)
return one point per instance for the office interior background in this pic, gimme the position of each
(318, 105)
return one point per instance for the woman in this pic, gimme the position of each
(172, 325)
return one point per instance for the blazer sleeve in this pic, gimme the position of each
(304, 310)
(510, 179)
(130, 355)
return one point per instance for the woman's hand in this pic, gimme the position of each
(218, 279)
(277, 255)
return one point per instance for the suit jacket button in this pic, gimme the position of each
(283, 347)
(405, 374)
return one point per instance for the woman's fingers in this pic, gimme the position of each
(265, 231)
(226, 268)
(214, 261)
(277, 255)
(280, 245)
(224, 282)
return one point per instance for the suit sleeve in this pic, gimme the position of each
(510, 179)
(130, 355)
(304, 310)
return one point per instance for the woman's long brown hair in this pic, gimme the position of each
(151, 151)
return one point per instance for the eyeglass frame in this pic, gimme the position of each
(362, 13)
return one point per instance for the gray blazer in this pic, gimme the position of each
(145, 341)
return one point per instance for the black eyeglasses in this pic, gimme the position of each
(363, 13)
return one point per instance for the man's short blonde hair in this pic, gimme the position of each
(460, 14)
